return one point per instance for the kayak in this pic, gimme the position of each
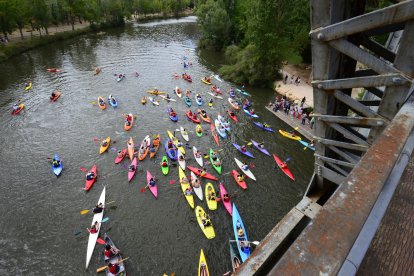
(240, 183)
(223, 122)
(187, 78)
(306, 144)
(232, 115)
(184, 133)
(93, 237)
(199, 130)
(198, 172)
(165, 170)
(28, 86)
(215, 96)
(259, 148)
(153, 189)
(199, 100)
(173, 118)
(191, 117)
(214, 134)
(248, 153)
(126, 126)
(115, 259)
(156, 92)
(251, 115)
(153, 101)
(198, 159)
(243, 92)
(118, 159)
(227, 204)
(289, 135)
(246, 172)
(197, 190)
(57, 170)
(97, 71)
(57, 95)
(216, 89)
(218, 78)
(105, 148)
(202, 265)
(144, 148)
(21, 107)
(181, 163)
(167, 99)
(207, 230)
(144, 100)
(187, 101)
(132, 173)
(235, 260)
(184, 186)
(177, 91)
(205, 118)
(53, 70)
(234, 104)
(210, 103)
(89, 183)
(156, 145)
(171, 153)
(217, 168)
(101, 103)
(175, 141)
(131, 148)
(113, 102)
(120, 77)
(285, 169)
(205, 81)
(263, 127)
(220, 129)
(237, 225)
(210, 198)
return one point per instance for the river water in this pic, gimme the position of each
(40, 212)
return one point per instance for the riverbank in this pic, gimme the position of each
(156, 16)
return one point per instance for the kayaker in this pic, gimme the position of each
(211, 195)
(104, 143)
(196, 183)
(261, 145)
(94, 228)
(202, 171)
(292, 132)
(101, 102)
(226, 197)
(114, 268)
(244, 245)
(203, 269)
(110, 251)
(214, 87)
(170, 144)
(245, 167)
(211, 101)
(240, 231)
(252, 111)
(181, 158)
(128, 123)
(172, 113)
(121, 153)
(240, 178)
(198, 154)
(90, 176)
(312, 143)
(232, 113)
(98, 208)
(188, 191)
(128, 118)
(217, 163)
(185, 180)
(15, 107)
(190, 114)
(266, 125)
(164, 164)
(194, 116)
(53, 95)
(283, 165)
(168, 96)
(131, 168)
(152, 182)
(55, 163)
(243, 148)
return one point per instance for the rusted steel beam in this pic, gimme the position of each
(323, 246)
(353, 121)
(372, 81)
(355, 105)
(341, 144)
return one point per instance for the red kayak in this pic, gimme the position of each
(285, 169)
(232, 115)
(196, 120)
(198, 172)
(216, 89)
(240, 183)
(57, 95)
(118, 159)
(214, 134)
(53, 70)
(89, 183)
(187, 78)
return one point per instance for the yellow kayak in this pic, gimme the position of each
(202, 265)
(289, 135)
(105, 148)
(175, 141)
(29, 86)
(205, 81)
(211, 196)
(184, 186)
(207, 230)
(156, 92)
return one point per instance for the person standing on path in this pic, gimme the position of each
(302, 102)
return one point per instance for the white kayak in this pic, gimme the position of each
(184, 134)
(181, 163)
(199, 159)
(154, 102)
(198, 191)
(168, 100)
(93, 237)
(215, 96)
(246, 172)
(217, 77)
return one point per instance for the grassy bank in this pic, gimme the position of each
(158, 16)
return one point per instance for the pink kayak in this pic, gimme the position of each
(153, 189)
(240, 183)
(227, 204)
(284, 169)
(118, 159)
(132, 173)
(198, 172)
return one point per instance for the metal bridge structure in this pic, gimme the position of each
(363, 143)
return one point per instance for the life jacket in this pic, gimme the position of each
(108, 253)
(114, 269)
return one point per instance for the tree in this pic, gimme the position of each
(7, 17)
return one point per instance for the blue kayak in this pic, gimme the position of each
(173, 118)
(199, 101)
(251, 115)
(187, 101)
(248, 153)
(113, 102)
(263, 127)
(240, 234)
(306, 145)
(243, 92)
(171, 152)
(57, 170)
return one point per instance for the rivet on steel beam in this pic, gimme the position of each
(320, 36)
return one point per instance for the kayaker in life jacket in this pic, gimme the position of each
(110, 251)
(261, 145)
(94, 228)
(114, 268)
(245, 167)
(131, 168)
(202, 172)
(245, 245)
(98, 208)
(55, 163)
(203, 270)
(185, 180)
(181, 158)
(211, 101)
(53, 95)
(240, 178)
(104, 143)
(194, 116)
(188, 191)
(120, 153)
(15, 107)
(152, 182)
(252, 111)
(266, 125)
(226, 197)
(196, 183)
(164, 164)
(240, 231)
(243, 148)
(211, 195)
(283, 165)
(90, 176)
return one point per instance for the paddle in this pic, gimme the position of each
(287, 159)
(100, 241)
(103, 268)
(105, 220)
(253, 242)
(83, 169)
(83, 212)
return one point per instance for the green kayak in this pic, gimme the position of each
(213, 163)
(164, 168)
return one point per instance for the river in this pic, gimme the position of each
(40, 212)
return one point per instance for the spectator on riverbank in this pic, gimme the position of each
(297, 81)
(302, 102)
(285, 79)
(312, 122)
(304, 119)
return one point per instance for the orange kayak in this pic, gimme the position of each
(156, 145)
(126, 126)
(101, 103)
(206, 118)
(131, 149)
(144, 148)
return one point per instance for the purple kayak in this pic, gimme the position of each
(263, 127)
(248, 153)
(260, 148)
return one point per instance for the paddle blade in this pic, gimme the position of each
(218, 199)
(102, 269)
(83, 212)
(77, 232)
(83, 169)
(305, 148)
(100, 241)
(249, 144)
(255, 242)
(287, 159)
(252, 165)
(173, 182)
(105, 219)
(143, 190)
